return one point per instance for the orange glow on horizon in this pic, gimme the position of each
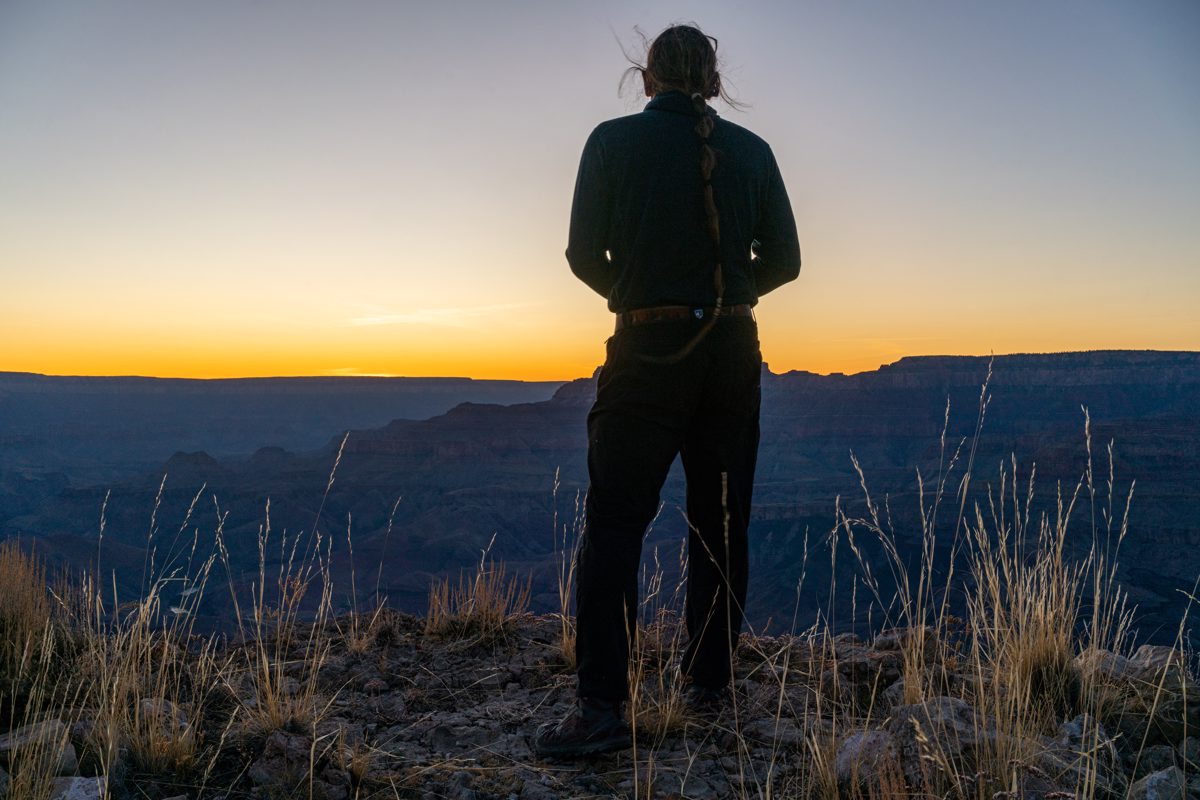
(559, 335)
(554, 362)
(803, 326)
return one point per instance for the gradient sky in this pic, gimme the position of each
(214, 188)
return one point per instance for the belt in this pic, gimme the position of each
(640, 316)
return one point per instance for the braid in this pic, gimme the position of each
(708, 160)
(684, 58)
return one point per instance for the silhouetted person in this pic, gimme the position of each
(681, 221)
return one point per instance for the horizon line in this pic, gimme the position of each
(340, 375)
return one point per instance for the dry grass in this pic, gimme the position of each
(135, 673)
(1026, 625)
(26, 634)
(566, 555)
(287, 642)
(357, 758)
(656, 705)
(33, 764)
(145, 678)
(24, 614)
(480, 607)
(118, 667)
(35, 683)
(359, 629)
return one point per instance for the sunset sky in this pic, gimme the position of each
(219, 189)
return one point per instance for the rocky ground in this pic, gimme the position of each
(405, 714)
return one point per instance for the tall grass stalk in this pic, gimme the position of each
(566, 556)
(285, 632)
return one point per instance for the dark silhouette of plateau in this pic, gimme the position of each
(487, 468)
(108, 427)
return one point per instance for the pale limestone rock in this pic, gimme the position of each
(1150, 661)
(68, 760)
(1189, 755)
(939, 730)
(1082, 753)
(27, 734)
(867, 761)
(283, 754)
(1167, 784)
(78, 789)
(1156, 758)
(49, 733)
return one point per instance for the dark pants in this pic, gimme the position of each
(704, 408)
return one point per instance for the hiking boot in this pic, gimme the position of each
(705, 701)
(593, 726)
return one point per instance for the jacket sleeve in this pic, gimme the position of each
(590, 213)
(776, 246)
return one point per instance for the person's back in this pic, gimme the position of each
(639, 196)
(668, 206)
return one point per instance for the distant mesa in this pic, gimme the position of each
(485, 464)
(580, 390)
(189, 468)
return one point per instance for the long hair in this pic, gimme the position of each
(682, 58)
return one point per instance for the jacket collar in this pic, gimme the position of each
(674, 101)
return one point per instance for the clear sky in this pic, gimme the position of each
(229, 188)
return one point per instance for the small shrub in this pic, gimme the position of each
(481, 607)
(27, 638)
